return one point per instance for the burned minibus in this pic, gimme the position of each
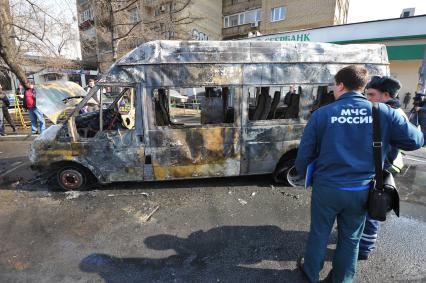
(197, 109)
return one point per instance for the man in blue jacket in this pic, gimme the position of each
(340, 137)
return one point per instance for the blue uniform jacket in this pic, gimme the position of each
(340, 137)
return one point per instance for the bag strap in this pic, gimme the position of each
(377, 147)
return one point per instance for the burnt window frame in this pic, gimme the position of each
(245, 106)
(153, 122)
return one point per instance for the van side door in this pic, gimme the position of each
(194, 132)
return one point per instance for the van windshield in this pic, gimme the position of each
(118, 112)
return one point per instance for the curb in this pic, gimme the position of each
(18, 138)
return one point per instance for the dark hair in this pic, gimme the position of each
(91, 80)
(385, 84)
(353, 77)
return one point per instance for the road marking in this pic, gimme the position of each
(13, 169)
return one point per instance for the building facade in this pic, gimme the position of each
(102, 32)
(242, 18)
(105, 36)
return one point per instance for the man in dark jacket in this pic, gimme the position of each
(36, 116)
(407, 99)
(6, 113)
(420, 109)
(385, 90)
(3, 99)
(339, 137)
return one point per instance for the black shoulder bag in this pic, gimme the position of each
(383, 195)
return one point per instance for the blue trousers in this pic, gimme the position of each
(369, 236)
(327, 205)
(36, 117)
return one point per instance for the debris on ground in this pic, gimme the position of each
(129, 194)
(290, 195)
(253, 194)
(243, 202)
(144, 214)
(145, 218)
(72, 194)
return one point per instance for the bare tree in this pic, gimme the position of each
(120, 27)
(29, 29)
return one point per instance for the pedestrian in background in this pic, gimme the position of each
(30, 103)
(407, 99)
(3, 99)
(339, 136)
(420, 108)
(5, 110)
(385, 90)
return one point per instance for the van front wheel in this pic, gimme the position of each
(72, 178)
(286, 174)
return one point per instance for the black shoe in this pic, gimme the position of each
(2, 134)
(362, 256)
(14, 129)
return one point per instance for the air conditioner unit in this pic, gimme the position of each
(408, 12)
(254, 25)
(162, 8)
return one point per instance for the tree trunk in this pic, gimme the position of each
(7, 43)
(113, 35)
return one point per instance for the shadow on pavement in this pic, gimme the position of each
(223, 254)
(14, 169)
(261, 181)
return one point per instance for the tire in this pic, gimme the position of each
(72, 178)
(286, 174)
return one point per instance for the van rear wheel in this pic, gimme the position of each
(286, 174)
(71, 178)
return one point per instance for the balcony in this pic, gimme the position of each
(242, 6)
(239, 31)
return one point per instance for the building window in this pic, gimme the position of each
(278, 14)
(173, 6)
(161, 10)
(86, 15)
(134, 15)
(242, 18)
(170, 34)
(233, 20)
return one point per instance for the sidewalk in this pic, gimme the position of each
(21, 134)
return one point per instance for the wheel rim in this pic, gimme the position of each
(71, 179)
(293, 178)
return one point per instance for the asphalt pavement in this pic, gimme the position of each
(219, 230)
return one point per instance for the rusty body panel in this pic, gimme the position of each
(241, 147)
